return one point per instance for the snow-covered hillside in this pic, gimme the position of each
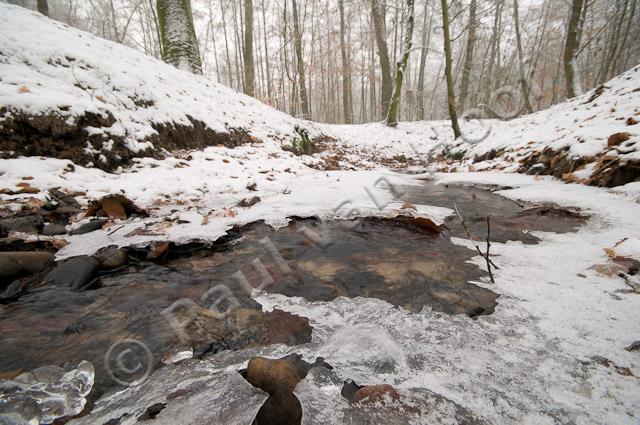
(59, 81)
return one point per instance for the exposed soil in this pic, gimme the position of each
(58, 135)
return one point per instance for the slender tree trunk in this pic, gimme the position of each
(401, 66)
(468, 61)
(247, 53)
(346, 76)
(43, 7)
(297, 35)
(179, 43)
(426, 38)
(451, 99)
(570, 50)
(380, 32)
(523, 76)
(266, 52)
(493, 50)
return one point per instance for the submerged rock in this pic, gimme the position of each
(75, 273)
(14, 263)
(88, 227)
(31, 224)
(45, 394)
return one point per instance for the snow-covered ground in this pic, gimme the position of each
(538, 359)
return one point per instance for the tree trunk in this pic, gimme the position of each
(401, 66)
(247, 53)
(495, 36)
(43, 7)
(451, 100)
(468, 61)
(523, 76)
(297, 35)
(570, 50)
(426, 38)
(179, 43)
(346, 76)
(380, 32)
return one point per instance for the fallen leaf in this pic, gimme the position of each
(113, 208)
(157, 249)
(24, 89)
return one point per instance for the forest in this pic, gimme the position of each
(336, 61)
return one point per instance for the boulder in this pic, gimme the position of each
(89, 227)
(14, 263)
(54, 229)
(279, 378)
(75, 273)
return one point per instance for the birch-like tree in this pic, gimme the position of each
(401, 67)
(178, 35)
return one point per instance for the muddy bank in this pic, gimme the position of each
(59, 135)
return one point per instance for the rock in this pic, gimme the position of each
(634, 347)
(14, 263)
(89, 227)
(248, 202)
(632, 121)
(31, 224)
(152, 412)
(75, 273)
(279, 378)
(375, 393)
(54, 229)
(616, 139)
(111, 257)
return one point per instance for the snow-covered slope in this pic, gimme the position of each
(118, 95)
(593, 138)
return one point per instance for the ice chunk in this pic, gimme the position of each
(45, 394)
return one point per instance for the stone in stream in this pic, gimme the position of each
(31, 224)
(634, 346)
(75, 273)
(54, 229)
(14, 263)
(88, 227)
(111, 257)
(279, 378)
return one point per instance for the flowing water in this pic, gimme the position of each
(405, 265)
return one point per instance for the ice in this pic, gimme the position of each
(44, 394)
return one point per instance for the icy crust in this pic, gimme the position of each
(196, 198)
(194, 393)
(48, 67)
(45, 394)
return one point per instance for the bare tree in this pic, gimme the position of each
(247, 53)
(451, 100)
(468, 61)
(297, 35)
(523, 76)
(571, 49)
(401, 66)
(380, 32)
(346, 75)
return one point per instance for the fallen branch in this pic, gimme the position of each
(485, 255)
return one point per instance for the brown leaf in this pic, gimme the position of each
(113, 208)
(24, 89)
(101, 99)
(408, 206)
(156, 250)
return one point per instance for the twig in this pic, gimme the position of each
(486, 255)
